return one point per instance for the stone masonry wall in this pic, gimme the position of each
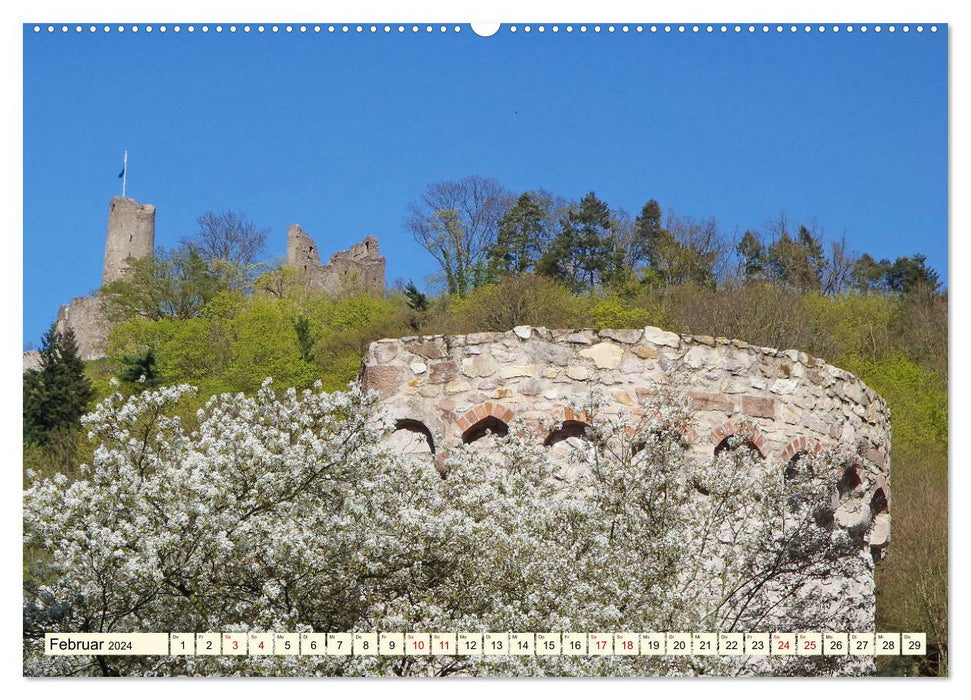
(131, 234)
(448, 389)
(85, 317)
(361, 265)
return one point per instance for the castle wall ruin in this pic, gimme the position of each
(131, 236)
(446, 391)
(85, 316)
(361, 266)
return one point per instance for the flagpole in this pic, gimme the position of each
(124, 174)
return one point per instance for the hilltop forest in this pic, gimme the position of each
(209, 313)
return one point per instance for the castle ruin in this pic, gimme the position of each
(131, 236)
(447, 391)
(360, 267)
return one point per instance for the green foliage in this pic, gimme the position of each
(917, 400)
(617, 312)
(585, 250)
(236, 342)
(141, 368)
(304, 338)
(171, 284)
(418, 304)
(520, 240)
(264, 345)
(513, 301)
(850, 329)
(798, 262)
(909, 275)
(683, 251)
(416, 300)
(56, 395)
(648, 234)
(752, 254)
(906, 275)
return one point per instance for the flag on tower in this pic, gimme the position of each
(123, 175)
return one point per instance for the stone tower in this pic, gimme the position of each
(131, 234)
(301, 250)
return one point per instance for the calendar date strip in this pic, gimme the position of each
(487, 644)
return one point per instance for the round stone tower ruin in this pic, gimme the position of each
(131, 234)
(443, 392)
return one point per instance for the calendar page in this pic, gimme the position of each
(513, 349)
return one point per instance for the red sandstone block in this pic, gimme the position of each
(506, 415)
(703, 401)
(464, 424)
(758, 407)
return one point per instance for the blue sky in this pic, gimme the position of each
(340, 132)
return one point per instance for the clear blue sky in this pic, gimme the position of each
(340, 132)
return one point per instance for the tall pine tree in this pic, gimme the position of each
(585, 249)
(57, 394)
(520, 239)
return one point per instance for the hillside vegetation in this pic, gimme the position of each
(542, 261)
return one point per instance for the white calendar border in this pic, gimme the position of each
(566, 10)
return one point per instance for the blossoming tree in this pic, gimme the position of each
(287, 512)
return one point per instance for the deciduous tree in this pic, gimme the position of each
(285, 513)
(457, 222)
(230, 244)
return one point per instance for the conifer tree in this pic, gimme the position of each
(57, 394)
(141, 368)
(584, 250)
(520, 238)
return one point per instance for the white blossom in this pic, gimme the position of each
(287, 513)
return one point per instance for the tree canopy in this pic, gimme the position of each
(457, 222)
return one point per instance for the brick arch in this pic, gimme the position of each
(565, 422)
(484, 411)
(746, 430)
(568, 413)
(800, 444)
